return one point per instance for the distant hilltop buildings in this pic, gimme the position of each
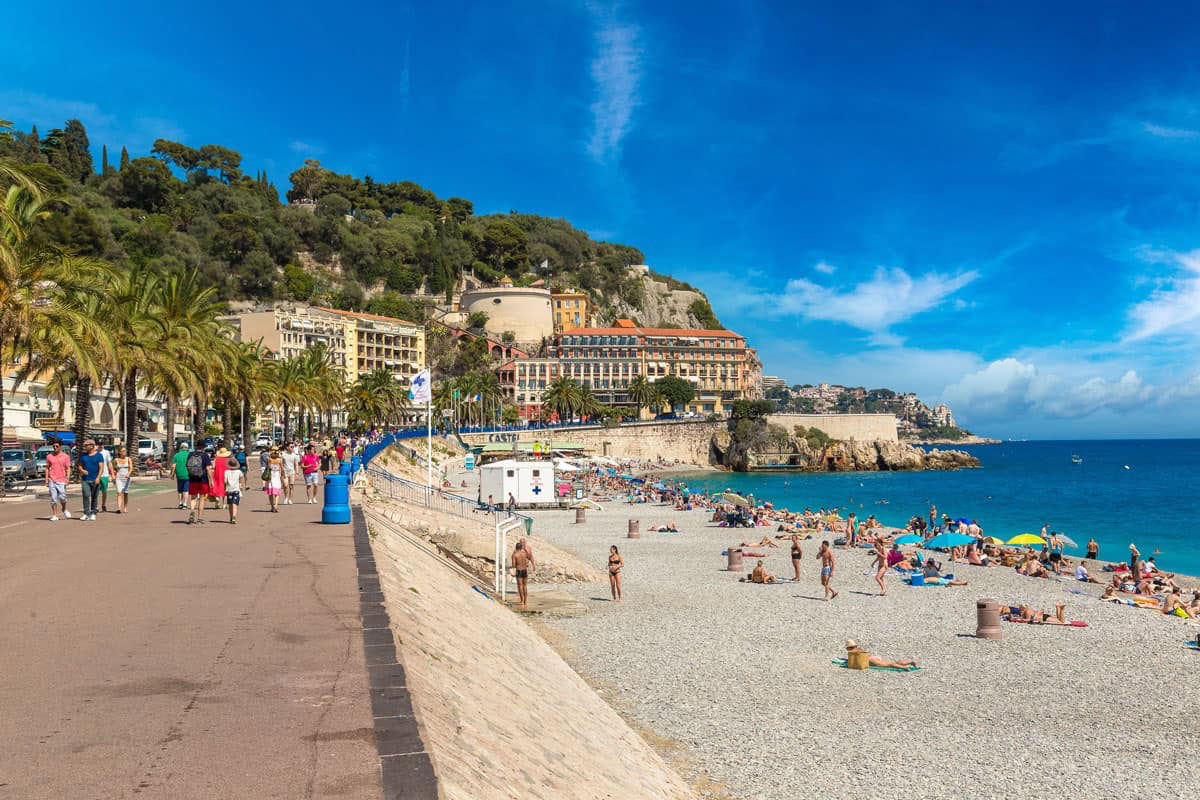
(914, 418)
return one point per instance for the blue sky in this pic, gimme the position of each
(991, 204)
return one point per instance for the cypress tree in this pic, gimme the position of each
(103, 159)
(124, 159)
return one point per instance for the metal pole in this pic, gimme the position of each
(429, 443)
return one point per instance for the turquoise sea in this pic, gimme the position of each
(1021, 486)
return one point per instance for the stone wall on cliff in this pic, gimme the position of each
(860, 427)
(688, 442)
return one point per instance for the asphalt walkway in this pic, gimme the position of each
(143, 657)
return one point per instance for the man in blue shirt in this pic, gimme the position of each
(91, 467)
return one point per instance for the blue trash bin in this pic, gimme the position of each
(355, 465)
(344, 469)
(336, 510)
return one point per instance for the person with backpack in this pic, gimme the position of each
(199, 475)
(179, 461)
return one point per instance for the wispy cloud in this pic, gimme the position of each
(889, 297)
(824, 269)
(1174, 305)
(136, 131)
(616, 75)
(305, 148)
(1165, 132)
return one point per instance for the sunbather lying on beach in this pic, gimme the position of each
(670, 526)
(1038, 616)
(763, 542)
(880, 661)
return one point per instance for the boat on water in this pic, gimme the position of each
(1076, 459)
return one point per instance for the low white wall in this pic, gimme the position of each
(860, 427)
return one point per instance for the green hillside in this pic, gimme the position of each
(353, 243)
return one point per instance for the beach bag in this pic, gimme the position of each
(858, 660)
(266, 476)
(195, 467)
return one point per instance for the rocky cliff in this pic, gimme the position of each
(766, 452)
(655, 304)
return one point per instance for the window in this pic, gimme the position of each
(509, 473)
(537, 473)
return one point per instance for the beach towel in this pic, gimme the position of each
(841, 662)
(1192, 645)
(1075, 623)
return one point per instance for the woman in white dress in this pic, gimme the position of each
(122, 475)
(273, 480)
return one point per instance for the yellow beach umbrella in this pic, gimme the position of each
(1026, 538)
(993, 540)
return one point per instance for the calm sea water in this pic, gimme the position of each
(1021, 486)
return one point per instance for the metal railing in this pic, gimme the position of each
(407, 491)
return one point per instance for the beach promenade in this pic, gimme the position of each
(143, 657)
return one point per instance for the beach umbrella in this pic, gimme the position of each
(659, 485)
(1026, 538)
(735, 498)
(993, 540)
(1067, 540)
(950, 540)
(963, 521)
(910, 538)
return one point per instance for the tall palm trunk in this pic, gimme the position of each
(246, 411)
(199, 418)
(131, 426)
(172, 411)
(83, 409)
(287, 422)
(227, 421)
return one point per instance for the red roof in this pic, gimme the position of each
(689, 332)
(365, 315)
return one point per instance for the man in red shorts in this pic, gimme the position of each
(199, 470)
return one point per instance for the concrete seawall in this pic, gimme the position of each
(682, 441)
(502, 715)
(860, 427)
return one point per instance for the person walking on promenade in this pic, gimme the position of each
(273, 480)
(521, 566)
(310, 466)
(263, 455)
(181, 473)
(615, 563)
(199, 469)
(106, 473)
(122, 475)
(880, 565)
(233, 488)
(90, 465)
(291, 465)
(827, 565)
(58, 475)
(217, 489)
(797, 554)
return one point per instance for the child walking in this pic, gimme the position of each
(233, 488)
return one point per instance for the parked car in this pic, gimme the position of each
(150, 447)
(39, 459)
(19, 463)
(262, 441)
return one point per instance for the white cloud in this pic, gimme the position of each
(1166, 132)
(1174, 306)
(890, 296)
(1011, 388)
(616, 72)
(825, 269)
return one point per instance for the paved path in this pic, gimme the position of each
(142, 657)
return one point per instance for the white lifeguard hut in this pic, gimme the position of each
(530, 482)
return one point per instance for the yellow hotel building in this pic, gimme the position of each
(358, 343)
(570, 310)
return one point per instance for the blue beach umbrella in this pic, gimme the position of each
(949, 540)
(910, 538)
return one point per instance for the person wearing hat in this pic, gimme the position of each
(878, 661)
(181, 474)
(220, 464)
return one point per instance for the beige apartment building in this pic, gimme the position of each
(357, 342)
(717, 363)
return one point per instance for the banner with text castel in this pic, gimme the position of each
(421, 389)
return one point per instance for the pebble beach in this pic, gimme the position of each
(739, 676)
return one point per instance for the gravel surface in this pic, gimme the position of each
(741, 676)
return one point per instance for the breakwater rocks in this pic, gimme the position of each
(778, 451)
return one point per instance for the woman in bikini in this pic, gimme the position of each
(797, 554)
(881, 566)
(615, 562)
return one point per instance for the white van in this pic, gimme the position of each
(150, 447)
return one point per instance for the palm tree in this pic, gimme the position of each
(562, 397)
(376, 398)
(589, 405)
(42, 287)
(641, 393)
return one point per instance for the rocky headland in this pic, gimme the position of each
(775, 450)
